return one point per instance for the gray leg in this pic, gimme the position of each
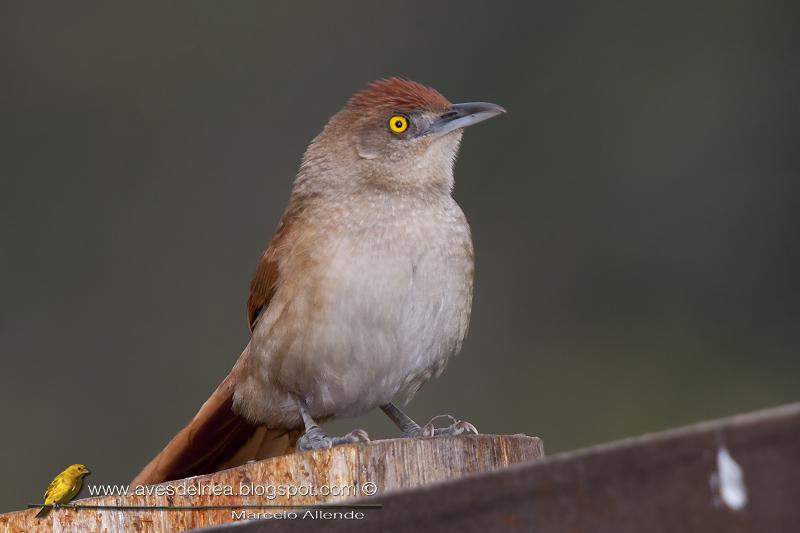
(411, 429)
(315, 439)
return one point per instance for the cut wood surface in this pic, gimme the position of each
(349, 471)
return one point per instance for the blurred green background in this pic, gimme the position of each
(635, 214)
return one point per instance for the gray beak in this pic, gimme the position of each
(462, 115)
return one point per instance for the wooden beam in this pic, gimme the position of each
(735, 475)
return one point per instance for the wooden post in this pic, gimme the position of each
(321, 477)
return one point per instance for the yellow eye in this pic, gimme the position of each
(398, 123)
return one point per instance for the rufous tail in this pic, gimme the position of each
(215, 439)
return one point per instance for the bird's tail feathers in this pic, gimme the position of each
(215, 439)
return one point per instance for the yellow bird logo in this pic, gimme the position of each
(63, 488)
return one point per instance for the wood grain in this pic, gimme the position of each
(390, 465)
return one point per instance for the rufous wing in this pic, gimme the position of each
(262, 286)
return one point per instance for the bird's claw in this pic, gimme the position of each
(316, 439)
(458, 427)
(354, 437)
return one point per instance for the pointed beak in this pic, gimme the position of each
(462, 115)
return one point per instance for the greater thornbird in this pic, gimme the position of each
(363, 293)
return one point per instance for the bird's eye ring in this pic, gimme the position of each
(398, 123)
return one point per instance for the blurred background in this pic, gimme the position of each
(635, 214)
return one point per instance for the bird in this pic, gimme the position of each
(63, 488)
(362, 295)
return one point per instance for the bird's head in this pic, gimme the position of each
(394, 133)
(77, 470)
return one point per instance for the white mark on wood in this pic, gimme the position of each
(729, 481)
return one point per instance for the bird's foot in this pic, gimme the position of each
(316, 439)
(411, 432)
(458, 427)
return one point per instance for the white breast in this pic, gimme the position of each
(398, 308)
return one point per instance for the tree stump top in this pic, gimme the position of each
(324, 477)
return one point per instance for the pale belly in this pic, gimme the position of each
(391, 317)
